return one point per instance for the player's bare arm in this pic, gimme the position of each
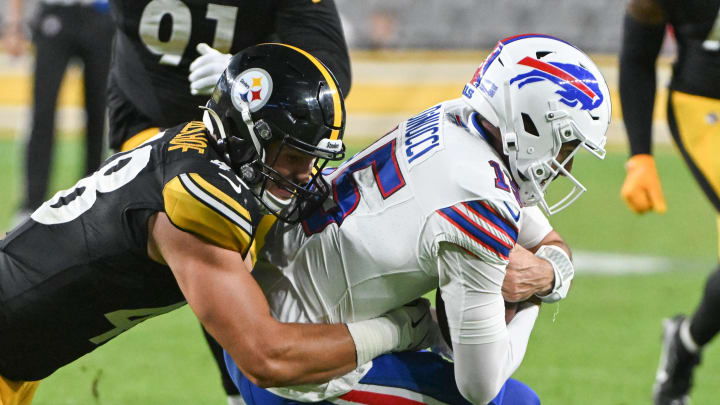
(232, 307)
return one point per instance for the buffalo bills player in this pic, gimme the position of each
(445, 200)
(693, 109)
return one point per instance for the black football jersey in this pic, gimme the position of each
(696, 24)
(156, 41)
(77, 273)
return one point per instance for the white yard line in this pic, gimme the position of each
(618, 263)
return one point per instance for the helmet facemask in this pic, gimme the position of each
(304, 196)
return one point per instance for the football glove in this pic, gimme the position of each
(206, 69)
(642, 191)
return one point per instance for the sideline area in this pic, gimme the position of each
(388, 86)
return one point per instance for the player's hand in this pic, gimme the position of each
(416, 325)
(14, 41)
(526, 275)
(642, 191)
(206, 69)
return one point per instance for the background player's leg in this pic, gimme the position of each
(52, 54)
(96, 40)
(705, 322)
(698, 140)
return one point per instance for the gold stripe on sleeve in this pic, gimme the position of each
(263, 228)
(220, 195)
(189, 213)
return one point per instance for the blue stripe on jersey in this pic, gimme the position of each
(475, 231)
(483, 210)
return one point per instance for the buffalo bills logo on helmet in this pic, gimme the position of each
(252, 87)
(577, 84)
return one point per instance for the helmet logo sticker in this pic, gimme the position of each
(253, 87)
(577, 84)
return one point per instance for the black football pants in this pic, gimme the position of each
(59, 34)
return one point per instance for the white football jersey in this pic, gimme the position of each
(373, 247)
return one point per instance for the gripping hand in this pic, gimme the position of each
(642, 191)
(206, 69)
(417, 328)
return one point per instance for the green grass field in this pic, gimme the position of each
(599, 346)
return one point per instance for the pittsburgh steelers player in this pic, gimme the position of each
(446, 200)
(693, 113)
(169, 54)
(172, 221)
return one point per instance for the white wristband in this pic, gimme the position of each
(373, 337)
(563, 269)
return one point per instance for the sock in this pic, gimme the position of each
(705, 323)
(686, 339)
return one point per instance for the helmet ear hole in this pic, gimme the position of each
(529, 125)
(263, 130)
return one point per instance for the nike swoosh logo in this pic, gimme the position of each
(414, 324)
(237, 187)
(421, 340)
(516, 217)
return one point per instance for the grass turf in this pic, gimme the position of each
(600, 346)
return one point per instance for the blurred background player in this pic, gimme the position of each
(693, 113)
(168, 55)
(61, 31)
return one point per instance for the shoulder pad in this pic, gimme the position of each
(223, 214)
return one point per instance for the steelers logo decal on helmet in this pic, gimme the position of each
(252, 87)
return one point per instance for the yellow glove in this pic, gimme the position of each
(642, 191)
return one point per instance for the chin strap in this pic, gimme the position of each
(247, 119)
(214, 125)
(274, 203)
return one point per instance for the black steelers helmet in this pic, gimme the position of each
(278, 93)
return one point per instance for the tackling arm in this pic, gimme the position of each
(232, 307)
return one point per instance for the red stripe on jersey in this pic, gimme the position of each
(376, 398)
(481, 229)
(491, 223)
(502, 217)
(478, 241)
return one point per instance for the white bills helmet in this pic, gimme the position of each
(542, 92)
